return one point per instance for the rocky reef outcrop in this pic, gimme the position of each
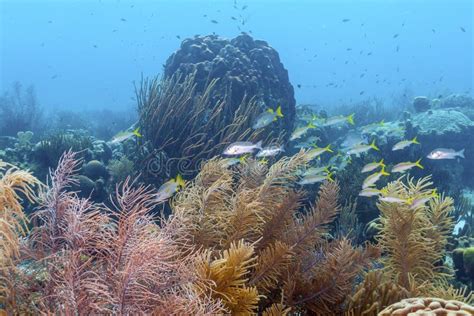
(244, 67)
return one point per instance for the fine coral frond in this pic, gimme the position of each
(272, 262)
(309, 230)
(15, 184)
(276, 310)
(414, 238)
(228, 276)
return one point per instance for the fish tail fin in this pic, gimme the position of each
(350, 119)
(372, 145)
(311, 125)
(327, 170)
(180, 181)
(278, 112)
(329, 177)
(418, 164)
(328, 148)
(409, 201)
(382, 123)
(314, 117)
(381, 163)
(461, 153)
(243, 159)
(383, 172)
(136, 132)
(415, 141)
(258, 145)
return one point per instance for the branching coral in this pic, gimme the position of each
(187, 126)
(292, 261)
(15, 185)
(95, 260)
(415, 237)
(239, 241)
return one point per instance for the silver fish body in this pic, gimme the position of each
(445, 153)
(270, 151)
(240, 148)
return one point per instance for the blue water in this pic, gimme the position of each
(87, 54)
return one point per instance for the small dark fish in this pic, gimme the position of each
(369, 53)
(433, 30)
(245, 7)
(346, 62)
(463, 29)
(50, 21)
(395, 36)
(123, 20)
(440, 96)
(233, 18)
(349, 49)
(361, 93)
(178, 37)
(298, 85)
(345, 20)
(54, 76)
(114, 30)
(204, 16)
(362, 75)
(397, 49)
(95, 46)
(214, 21)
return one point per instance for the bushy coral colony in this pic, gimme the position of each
(225, 198)
(238, 241)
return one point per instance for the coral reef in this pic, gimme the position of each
(245, 68)
(83, 259)
(457, 101)
(15, 185)
(288, 257)
(240, 241)
(165, 106)
(421, 104)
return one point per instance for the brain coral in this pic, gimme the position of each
(441, 122)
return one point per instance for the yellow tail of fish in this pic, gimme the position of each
(328, 148)
(381, 163)
(137, 133)
(329, 177)
(417, 163)
(180, 181)
(243, 159)
(372, 145)
(278, 112)
(350, 119)
(311, 125)
(383, 172)
(415, 141)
